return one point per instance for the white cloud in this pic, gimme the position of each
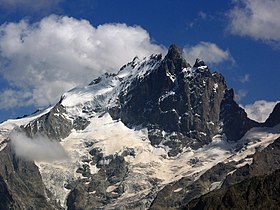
(39, 149)
(49, 57)
(259, 110)
(258, 19)
(208, 52)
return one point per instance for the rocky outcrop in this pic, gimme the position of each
(254, 186)
(259, 192)
(179, 194)
(274, 117)
(101, 188)
(235, 122)
(54, 124)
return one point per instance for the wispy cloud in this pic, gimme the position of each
(202, 15)
(259, 110)
(49, 57)
(39, 149)
(240, 94)
(29, 4)
(258, 19)
(245, 78)
(207, 51)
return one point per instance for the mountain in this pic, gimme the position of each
(157, 134)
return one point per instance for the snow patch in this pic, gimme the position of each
(215, 87)
(178, 190)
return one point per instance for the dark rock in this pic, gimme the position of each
(92, 192)
(274, 117)
(259, 192)
(234, 118)
(53, 124)
(80, 123)
(21, 185)
(6, 199)
(178, 194)
(199, 63)
(249, 187)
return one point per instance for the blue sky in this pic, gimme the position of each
(50, 46)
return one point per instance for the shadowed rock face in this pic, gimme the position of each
(21, 185)
(274, 117)
(172, 198)
(234, 118)
(260, 192)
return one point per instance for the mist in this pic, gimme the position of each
(39, 148)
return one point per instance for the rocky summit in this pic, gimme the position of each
(157, 134)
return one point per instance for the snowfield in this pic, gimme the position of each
(113, 137)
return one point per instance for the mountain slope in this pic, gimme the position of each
(254, 186)
(153, 132)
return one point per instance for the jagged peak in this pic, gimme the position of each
(174, 52)
(199, 63)
(274, 117)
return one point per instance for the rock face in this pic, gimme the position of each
(54, 124)
(234, 118)
(259, 192)
(112, 171)
(274, 117)
(21, 185)
(180, 193)
(176, 98)
(254, 186)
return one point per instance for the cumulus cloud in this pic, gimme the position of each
(37, 149)
(258, 19)
(47, 58)
(207, 51)
(259, 110)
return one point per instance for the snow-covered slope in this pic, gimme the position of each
(7, 126)
(113, 138)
